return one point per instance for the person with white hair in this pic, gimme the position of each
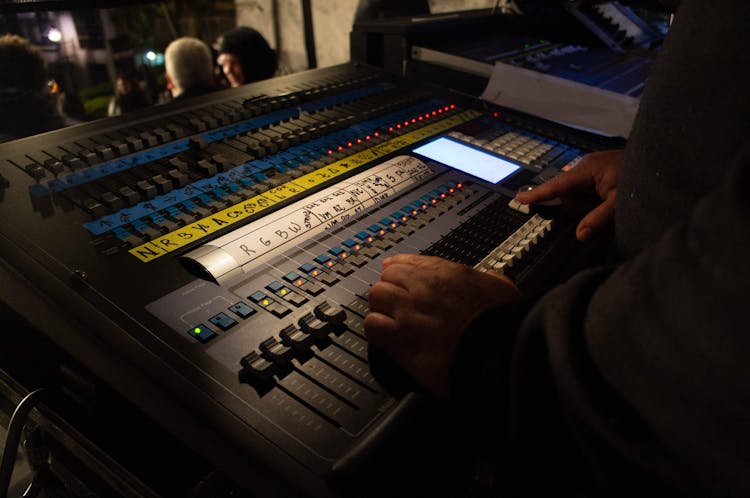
(189, 67)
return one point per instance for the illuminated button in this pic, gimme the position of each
(325, 260)
(222, 321)
(339, 252)
(376, 230)
(269, 304)
(319, 274)
(352, 245)
(302, 283)
(202, 333)
(287, 294)
(242, 310)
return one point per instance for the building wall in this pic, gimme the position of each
(332, 22)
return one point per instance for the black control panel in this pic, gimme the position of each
(211, 259)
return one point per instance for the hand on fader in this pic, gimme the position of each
(590, 186)
(420, 309)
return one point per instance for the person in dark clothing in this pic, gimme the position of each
(245, 56)
(129, 96)
(26, 106)
(189, 67)
(630, 379)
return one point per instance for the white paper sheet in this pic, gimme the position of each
(564, 101)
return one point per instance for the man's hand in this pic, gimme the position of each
(421, 308)
(592, 181)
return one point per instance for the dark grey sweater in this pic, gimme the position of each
(634, 380)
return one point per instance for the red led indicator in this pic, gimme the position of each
(440, 111)
(446, 108)
(359, 140)
(495, 114)
(377, 133)
(330, 151)
(434, 113)
(460, 185)
(398, 125)
(348, 144)
(434, 201)
(367, 137)
(421, 118)
(424, 206)
(340, 147)
(451, 190)
(406, 123)
(442, 196)
(413, 120)
(427, 115)
(453, 106)
(390, 128)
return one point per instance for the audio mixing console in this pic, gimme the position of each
(210, 259)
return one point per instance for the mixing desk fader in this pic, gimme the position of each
(210, 259)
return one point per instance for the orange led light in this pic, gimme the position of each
(298, 282)
(369, 239)
(442, 196)
(315, 273)
(357, 247)
(460, 185)
(434, 201)
(329, 264)
(344, 255)
(404, 218)
(451, 190)
(394, 225)
(424, 206)
(414, 212)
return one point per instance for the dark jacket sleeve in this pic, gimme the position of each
(635, 380)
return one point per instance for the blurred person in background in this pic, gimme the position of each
(189, 68)
(245, 56)
(129, 95)
(26, 105)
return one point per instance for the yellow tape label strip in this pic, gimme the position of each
(209, 225)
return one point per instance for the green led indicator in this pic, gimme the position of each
(197, 330)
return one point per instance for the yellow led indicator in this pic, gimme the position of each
(283, 292)
(344, 255)
(357, 247)
(265, 302)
